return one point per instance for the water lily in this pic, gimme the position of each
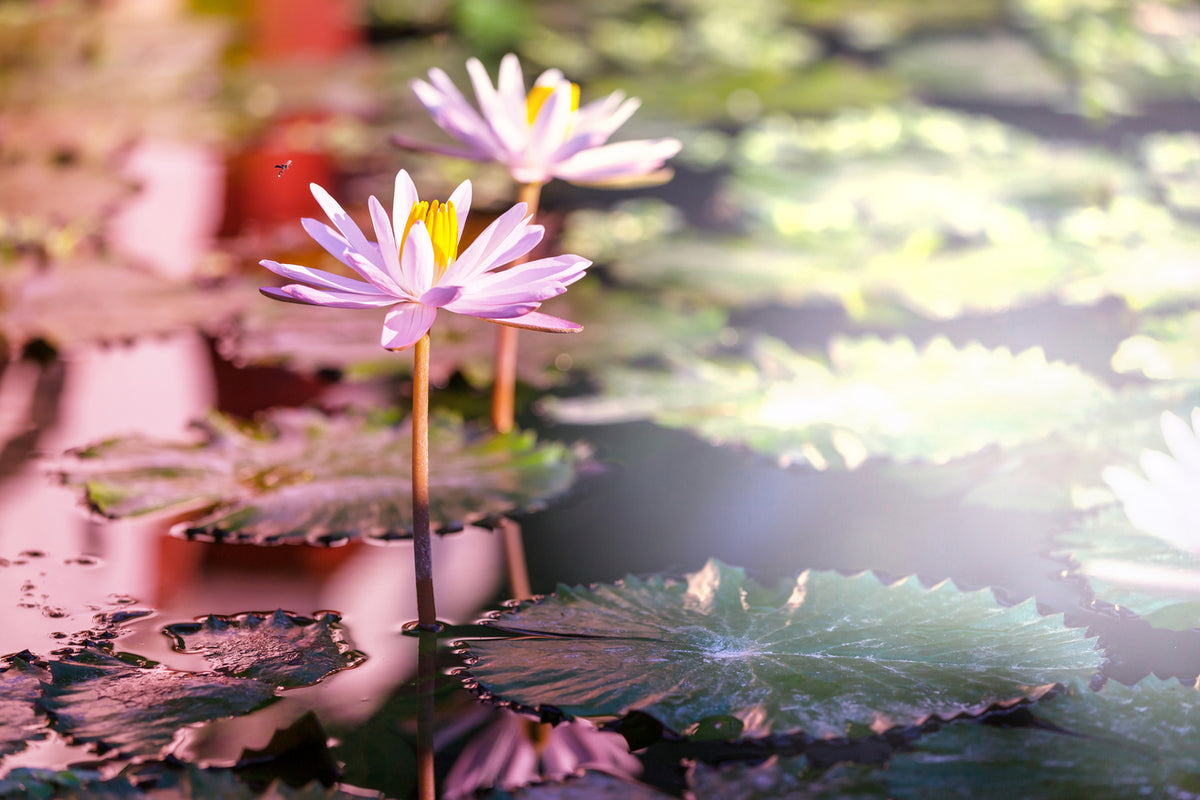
(540, 134)
(415, 266)
(1166, 503)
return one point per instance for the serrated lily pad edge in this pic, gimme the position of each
(548, 713)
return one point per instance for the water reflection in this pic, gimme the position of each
(67, 574)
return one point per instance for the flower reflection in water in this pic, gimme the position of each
(514, 750)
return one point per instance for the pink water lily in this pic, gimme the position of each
(539, 135)
(415, 266)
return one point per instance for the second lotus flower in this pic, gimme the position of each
(539, 135)
(415, 266)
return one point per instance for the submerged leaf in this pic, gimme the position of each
(303, 476)
(279, 648)
(135, 708)
(20, 687)
(822, 655)
(875, 398)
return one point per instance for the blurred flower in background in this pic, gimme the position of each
(540, 135)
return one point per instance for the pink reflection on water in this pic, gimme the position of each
(156, 387)
(172, 220)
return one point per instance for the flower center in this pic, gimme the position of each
(538, 95)
(442, 223)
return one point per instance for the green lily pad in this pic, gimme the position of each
(716, 95)
(1163, 348)
(825, 655)
(1063, 471)
(32, 783)
(193, 783)
(1173, 159)
(303, 476)
(899, 212)
(1119, 742)
(20, 687)
(135, 707)
(1118, 55)
(790, 778)
(278, 648)
(1130, 569)
(964, 67)
(222, 784)
(1116, 743)
(868, 24)
(873, 398)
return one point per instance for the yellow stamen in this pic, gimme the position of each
(537, 98)
(441, 221)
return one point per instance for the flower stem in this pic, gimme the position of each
(503, 389)
(426, 680)
(505, 380)
(422, 546)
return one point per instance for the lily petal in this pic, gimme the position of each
(405, 324)
(416, 262)
(320, 278)
(537, 321)
(340, 219)
(332, 299)
(439, 296)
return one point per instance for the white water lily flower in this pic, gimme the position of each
(539, 135)
(415, 266)
(1166, 503)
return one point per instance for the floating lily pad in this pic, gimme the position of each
(874, 398)
(279, 648)
(135, 707)
(303, 476)
(31, 783)
(1118, 55)
(1173, 159)
(1131, 569)
(221, 784)
(716, 95)
(966, 68)
(1119, 742)
(824, 655)
(791, 778)
(1164, 348)
(869, 24)
(85, 303)
(616, 325)
(895, 212)
(193, 784)
(20, 687)
(1063, 471)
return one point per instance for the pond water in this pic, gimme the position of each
(879, 322)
